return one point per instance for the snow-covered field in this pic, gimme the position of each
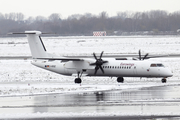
(23, 73)
(19, 77)
(87, 45)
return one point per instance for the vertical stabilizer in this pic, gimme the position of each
(36, 45)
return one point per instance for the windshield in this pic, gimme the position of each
(160, 65)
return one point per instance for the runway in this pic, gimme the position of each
(160, 101)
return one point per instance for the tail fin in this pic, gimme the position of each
(36, 45)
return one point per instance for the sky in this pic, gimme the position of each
(68, 7)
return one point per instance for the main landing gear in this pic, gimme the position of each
(78, 80)
(163, 80)
(120, 79)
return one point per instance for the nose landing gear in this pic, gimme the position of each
(164, 80)
(78, 80)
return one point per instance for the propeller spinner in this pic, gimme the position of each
(99, 62)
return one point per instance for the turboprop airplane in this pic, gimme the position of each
(98, 66)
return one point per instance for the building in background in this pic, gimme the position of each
(99, 33)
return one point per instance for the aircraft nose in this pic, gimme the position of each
(169, 73)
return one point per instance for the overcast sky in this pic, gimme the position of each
(68, 7)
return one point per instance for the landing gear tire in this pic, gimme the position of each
(163, 80)
(120, 79)
(78, 80)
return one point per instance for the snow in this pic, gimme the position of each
(23, 89)
(23, 73)
(85, 114)
(88, 45)
(20, 78)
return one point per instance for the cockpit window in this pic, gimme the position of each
(157, 65)
(160, 65)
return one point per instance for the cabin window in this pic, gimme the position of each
(153, 65)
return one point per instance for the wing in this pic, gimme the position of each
(134, 56)
(67, 59)
(79, 58)
(163, 56)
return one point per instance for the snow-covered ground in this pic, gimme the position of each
(93, 115)
(19, 77)
(87, 45)
(23, 73)
(18, 46)
(51, 87)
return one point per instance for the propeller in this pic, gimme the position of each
(99, 62)
(140, 57)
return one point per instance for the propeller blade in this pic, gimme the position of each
(94, 56)
(96, 69)
(139, 54)
(101, 54)
(145, 56)
(101, 69)
(95, 72)
(99, 62)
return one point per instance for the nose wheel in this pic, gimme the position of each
(78, 80)
(164, 80)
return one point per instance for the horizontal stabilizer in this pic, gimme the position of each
(29, 32)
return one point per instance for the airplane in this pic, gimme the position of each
(119, 67)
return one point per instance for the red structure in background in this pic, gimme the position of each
(99, 33)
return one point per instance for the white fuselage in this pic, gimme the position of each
(114, 68)
(94, 65)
